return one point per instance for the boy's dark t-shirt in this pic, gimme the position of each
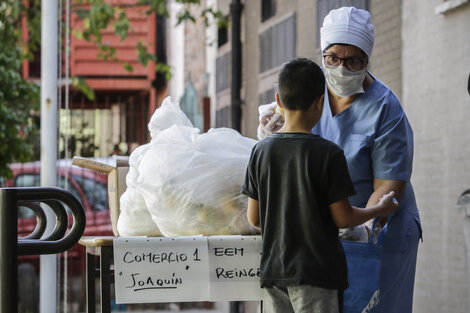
(294, 177)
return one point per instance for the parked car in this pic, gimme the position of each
(90, 187)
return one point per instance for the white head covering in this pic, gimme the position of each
(348, 25)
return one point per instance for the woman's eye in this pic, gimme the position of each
(355, 61)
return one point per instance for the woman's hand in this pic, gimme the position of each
(270, 120)
(388, 204)
(381, 187)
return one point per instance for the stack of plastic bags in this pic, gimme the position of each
(185, 182)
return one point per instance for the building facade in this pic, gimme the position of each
(421, 53)
(435, 73)
(192, 48)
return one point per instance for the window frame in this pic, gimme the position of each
(268, 9)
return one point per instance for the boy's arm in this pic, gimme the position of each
(344, 215)
(253, 212)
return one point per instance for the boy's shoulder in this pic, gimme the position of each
(313, 140)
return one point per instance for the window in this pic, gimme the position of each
(325, 6)
(268, 9)
(267, 96)
(95, 192)
(222, 72)
(222, 117)
(25, 212)
(72, 189)
(222, 35)
(28, 180)
(34, 180)
(277, 44)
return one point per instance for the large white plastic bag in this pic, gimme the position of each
(134, 218)
(191, 182)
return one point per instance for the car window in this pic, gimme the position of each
(28, 180)
(70, 188)
(95, 191)
(34, 180)
(25, 212)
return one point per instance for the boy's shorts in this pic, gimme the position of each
(300, 299)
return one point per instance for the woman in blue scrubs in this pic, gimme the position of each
(366, 119)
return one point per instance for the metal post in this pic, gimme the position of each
(49, 52)
(90, 282)
(105, 279)
(8, 252)
(235, 10)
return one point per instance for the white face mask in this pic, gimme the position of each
(344, 82)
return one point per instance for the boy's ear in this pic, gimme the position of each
(278, 100)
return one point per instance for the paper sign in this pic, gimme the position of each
(161, 269)
(234, 268)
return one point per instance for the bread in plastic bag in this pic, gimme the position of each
(271, 119)
(190, 181)
(358, 233)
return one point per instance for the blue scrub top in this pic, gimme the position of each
(378, 143)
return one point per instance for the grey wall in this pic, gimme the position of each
(436, 65)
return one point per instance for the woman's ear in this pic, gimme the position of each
(278, 100)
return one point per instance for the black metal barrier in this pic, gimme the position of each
(40, 217)
(11, 246)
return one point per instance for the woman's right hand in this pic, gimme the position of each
(270, 120)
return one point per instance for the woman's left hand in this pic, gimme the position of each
(381, 187)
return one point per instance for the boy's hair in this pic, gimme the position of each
(301, 83)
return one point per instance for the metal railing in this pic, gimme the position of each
(11, 246)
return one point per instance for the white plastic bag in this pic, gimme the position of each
(358, 233)
(134, 218)
(169, 114)
(191, 182)
(271, 119)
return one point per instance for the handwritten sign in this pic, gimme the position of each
(234, 268)
(161, 269)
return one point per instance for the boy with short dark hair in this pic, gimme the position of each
(298, 186)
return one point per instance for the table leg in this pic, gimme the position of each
(90, 283)
(106, 256)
